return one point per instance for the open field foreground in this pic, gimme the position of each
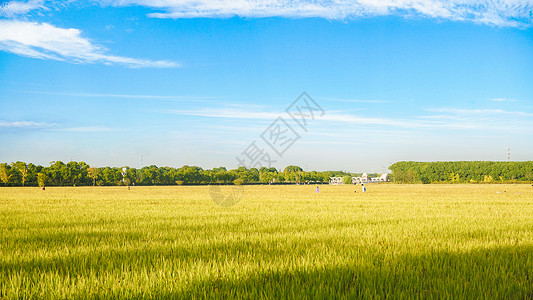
(443, 241)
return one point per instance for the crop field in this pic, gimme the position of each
(402, 241)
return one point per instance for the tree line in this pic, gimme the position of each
(81, 174)
(462, 172)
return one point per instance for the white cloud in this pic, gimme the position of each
(338, 117)
(129, 96)
(226, 113)
(493, 112)
(448, 118)
(45, 41)
(351, 100)
(13, 8)
(25, 124)
(497, 12)
(482, 119)
(88, 129)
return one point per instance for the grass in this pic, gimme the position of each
(401, 241)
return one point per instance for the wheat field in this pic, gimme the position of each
(401, 241)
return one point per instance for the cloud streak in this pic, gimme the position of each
(13, 8)
(515, 13)
(337, 117)
(352, 100)
(129, 96)
(481, 112)
(45, 41)
(25, 124)
(88, 129)
(449, 118)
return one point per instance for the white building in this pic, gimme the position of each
(365, 178)
(360, 180)
(335, 180)
(383, 178)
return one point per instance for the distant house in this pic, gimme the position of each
(360, 180)
(383, 178)
(365, 178)
(335, 180)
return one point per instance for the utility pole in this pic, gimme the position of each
(508, 153)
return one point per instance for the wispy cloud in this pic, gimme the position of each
(54, 127)
(129, 96)
(25, 124)
(88, 129)
(448, 118)
(336, 116)
(352, 100)
(482, 119)
(13, 8)
(45, 41)
(225, 113)
(498, 13)
(479, 112)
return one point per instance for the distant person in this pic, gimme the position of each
(317, 190)
(364, 188)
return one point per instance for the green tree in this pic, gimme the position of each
(267, 175)
(292, 174)
(347, 179)
(41, 179)
(76, 172)
(93, 173)
(57, 173)
(454, 177)
(190, 175)
(462, 171)
(23, 169)
(4, 173)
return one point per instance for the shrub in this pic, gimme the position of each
(347, 179)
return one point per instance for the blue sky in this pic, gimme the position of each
(196, 82)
